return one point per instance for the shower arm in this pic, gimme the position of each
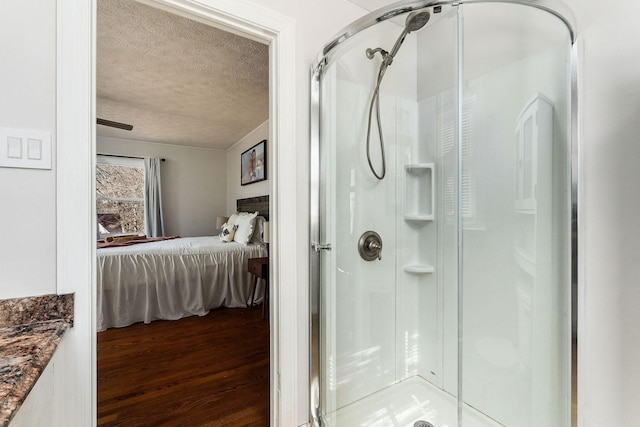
(371, 52)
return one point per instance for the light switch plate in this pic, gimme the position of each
(25, 148)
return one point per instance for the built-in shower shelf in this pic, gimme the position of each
(418, 166)
(419, 269)
(418, 217)
(419, 192)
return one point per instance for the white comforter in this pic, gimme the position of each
(171, 279)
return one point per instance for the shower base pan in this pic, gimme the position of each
(405, 403)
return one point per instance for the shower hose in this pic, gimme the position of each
(375, 100)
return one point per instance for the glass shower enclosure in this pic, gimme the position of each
(441, 217)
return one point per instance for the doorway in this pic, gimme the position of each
(76, 252)
(190, 94)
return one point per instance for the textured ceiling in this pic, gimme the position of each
(175, 80)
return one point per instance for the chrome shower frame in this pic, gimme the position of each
(555, 8)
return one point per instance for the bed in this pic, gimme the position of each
(176, 278)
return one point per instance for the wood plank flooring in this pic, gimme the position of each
(197, 371)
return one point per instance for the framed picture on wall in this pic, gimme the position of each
(253, 164)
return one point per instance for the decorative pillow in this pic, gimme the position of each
(233, 219)
(227, 231)
(245, 223)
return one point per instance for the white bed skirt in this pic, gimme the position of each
(172, 279)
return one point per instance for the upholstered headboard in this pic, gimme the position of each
(252, 204)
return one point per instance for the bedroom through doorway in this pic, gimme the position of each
(181, 330)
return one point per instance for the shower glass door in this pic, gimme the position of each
(515, 209)
(358, 323)
(443, 294)
(382, 320)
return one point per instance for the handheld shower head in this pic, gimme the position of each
(417, 20)
(414, 22)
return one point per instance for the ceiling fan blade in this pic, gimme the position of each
(112, 124)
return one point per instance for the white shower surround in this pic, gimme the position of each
(407, 324)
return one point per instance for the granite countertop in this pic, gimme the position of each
(30, 330)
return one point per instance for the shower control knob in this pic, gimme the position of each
(375, 247)
(370, 246)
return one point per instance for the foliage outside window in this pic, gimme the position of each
(120, 196)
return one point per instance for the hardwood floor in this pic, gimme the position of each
(197, 371)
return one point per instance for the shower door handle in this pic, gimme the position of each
(320, 247)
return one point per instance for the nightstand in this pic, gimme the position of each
(259, 268)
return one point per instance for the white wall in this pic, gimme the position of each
(28, 196)
(610, 107)
(236, 191)
(194, 183)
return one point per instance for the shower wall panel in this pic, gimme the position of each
(365, 356)
(417, 295)
(362, 355)
(437, 71)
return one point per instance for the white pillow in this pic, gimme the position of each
(227, 231)
(245, 222)
(233, 218)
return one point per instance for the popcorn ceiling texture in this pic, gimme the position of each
(177, 81)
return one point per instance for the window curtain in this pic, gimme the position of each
(153, 224)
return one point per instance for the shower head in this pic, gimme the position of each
(415, 21)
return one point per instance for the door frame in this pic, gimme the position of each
(75, 374)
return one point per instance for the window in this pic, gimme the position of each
(119, 195)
